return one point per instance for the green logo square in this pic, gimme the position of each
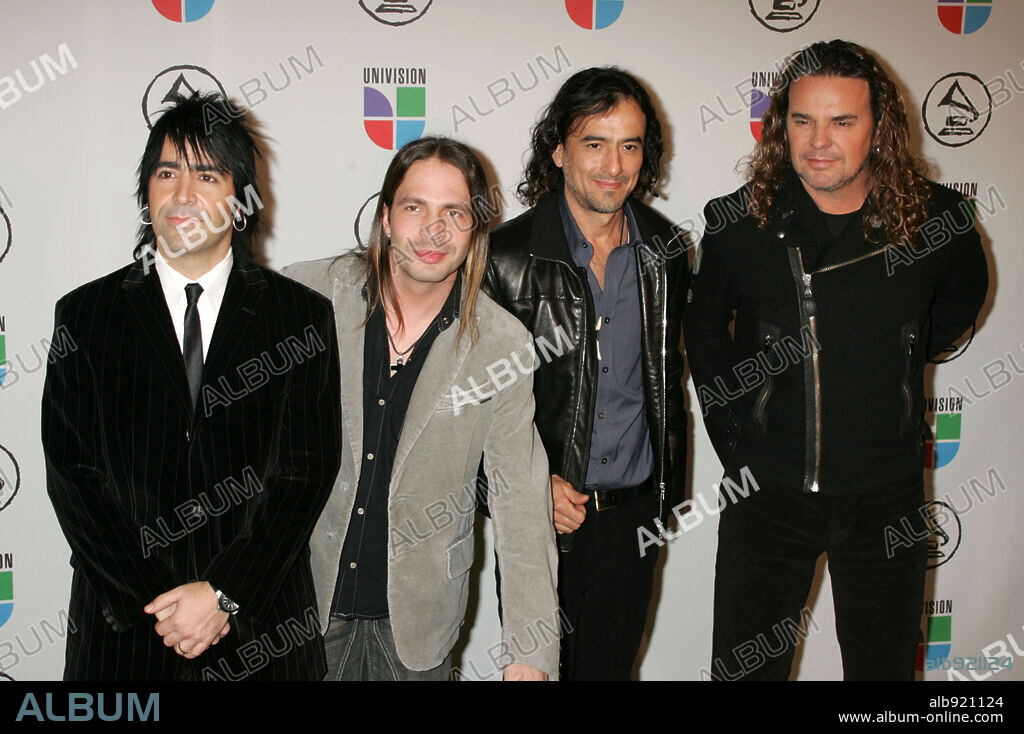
(940, 629)
(947, 427)
(411, 101)
(3, 349)
(6, 585)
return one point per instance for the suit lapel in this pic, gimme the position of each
(435, 381)
(148, 306)
(245, 289)
(349, 312)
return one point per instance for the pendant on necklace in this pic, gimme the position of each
(398, 365)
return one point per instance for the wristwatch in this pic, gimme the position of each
(226, 605)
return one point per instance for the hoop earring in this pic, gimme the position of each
(234, 222)
(142, 217)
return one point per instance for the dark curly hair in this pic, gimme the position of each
(898, 201)
(588, 92)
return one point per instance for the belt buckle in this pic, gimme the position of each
(597, 502)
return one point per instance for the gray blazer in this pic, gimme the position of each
(466, 404)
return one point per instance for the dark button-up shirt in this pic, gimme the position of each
(620, 444)
(361, 591)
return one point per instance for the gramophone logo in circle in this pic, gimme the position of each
(944, 529)
(957, 109)
(396, 12)
(184, 79)
(10, 477)
(6, 234)
(364, 220)
(783, 15)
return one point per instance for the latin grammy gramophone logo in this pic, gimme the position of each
(364, 220)
(944, 529)
(957, 109)
(10, 477)
(5, 234)
(783, 16)
(396, 12)
(4, 677)
(184, 79)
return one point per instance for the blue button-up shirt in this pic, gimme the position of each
(620, 444)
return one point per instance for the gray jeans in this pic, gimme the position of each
(364, 649)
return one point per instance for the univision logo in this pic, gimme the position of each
(594, 14)
(938, 638)
(183, 11)
(947, 418)
(964, 16)
(6, 587)
(395, 107)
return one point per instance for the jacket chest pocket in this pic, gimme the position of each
(772, 360)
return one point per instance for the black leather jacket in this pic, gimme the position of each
(820, 384)
(531, 273)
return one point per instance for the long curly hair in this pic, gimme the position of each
(591, 91)
(898, 199)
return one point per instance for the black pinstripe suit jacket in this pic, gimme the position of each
(152, 494)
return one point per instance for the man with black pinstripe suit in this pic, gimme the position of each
(192, 435)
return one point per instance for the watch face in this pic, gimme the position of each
(226, 605)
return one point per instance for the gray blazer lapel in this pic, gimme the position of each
(434, 383)
(349, 311)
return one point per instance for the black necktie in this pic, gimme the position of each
(193, 346)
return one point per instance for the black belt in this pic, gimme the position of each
(605, 499)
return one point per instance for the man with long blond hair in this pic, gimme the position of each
(434, 377)
(847, 270)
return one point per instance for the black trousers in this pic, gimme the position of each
(604, 590)
(768, 546)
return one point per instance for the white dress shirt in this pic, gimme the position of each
(214, 284)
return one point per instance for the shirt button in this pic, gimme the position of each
(360, 511)
(604, 369)
(607, 320)
(604, 461)
(369, 457)
(352, 565)
(380, 402)
(601, 416)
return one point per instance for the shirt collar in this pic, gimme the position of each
(214, 282)
(580, 249)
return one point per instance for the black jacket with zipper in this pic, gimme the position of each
(820, 386)
(532, 274)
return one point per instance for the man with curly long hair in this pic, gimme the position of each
(598, 276)
(847, 270)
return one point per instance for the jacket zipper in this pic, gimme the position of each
(812, 371)
(663, 275)
(907, 398)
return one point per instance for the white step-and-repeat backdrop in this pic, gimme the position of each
(337, 85)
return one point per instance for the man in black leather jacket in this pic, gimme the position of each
(847, 271)
(598, 278)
